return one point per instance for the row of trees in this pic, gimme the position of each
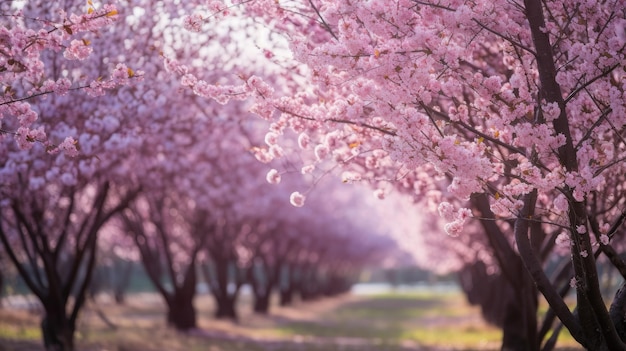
(148, 171)
(506, 117)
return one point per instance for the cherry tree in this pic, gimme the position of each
(68, 173)
(54, 203)
(516, 106)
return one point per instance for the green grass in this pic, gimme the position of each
(466, 337)
(396, 318)
(20, 333)
(384, 322)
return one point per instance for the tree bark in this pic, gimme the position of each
(181, 314)
(122, 283)
(286, 296)
(57, 329)
(225, 307)
(263, 277)
(262, 302)
(289, 286)
(225, 300)
(512, 310)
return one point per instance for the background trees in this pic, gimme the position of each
(177, 174)
(505, 117)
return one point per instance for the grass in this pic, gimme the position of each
(432, 320)
(392, 322)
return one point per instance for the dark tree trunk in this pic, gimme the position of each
(217, 276)
(121, 284)
(286, 295)
(310, 285)
(262, 302)
(262, 278)
(512, 310)
(518, 331)
(57, 330)
(181, 313)
(225, 307)
(289, 286)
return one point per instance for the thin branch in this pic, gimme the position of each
(589, 82)
(344, 121)
(37, 289)
(513, 42)
(434, 5)
(534, 268)
(322, 20)
(593, 127)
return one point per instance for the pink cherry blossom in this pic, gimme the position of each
(297, 199)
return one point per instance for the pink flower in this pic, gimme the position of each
(271, 138)
(563, 241)
(62, 86)
(303, 140)
(78, 50)
(446, 211)
(307, 169)
(276, 151)
(273, 177)
(297, 199)
(27, 118)
(262, 155)
(604, 239)
(321, 151)
(120, 74)
(560, 203)
(193, 23)
(68, 146)
(454, 228)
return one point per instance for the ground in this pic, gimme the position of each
(393, 321)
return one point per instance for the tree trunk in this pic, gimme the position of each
(513, 310)
(262, 279)
(225, 307)
(122, 282)
(217, 276)
(181, 313)
(286, 295)
(262, 302)
(57, 331)
(519, 333)
(289, 285)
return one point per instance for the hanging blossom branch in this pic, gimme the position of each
(21, 64)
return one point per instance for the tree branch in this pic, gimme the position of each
(536, 271)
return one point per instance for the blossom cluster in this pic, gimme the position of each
(391, 90)
(24, 76)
